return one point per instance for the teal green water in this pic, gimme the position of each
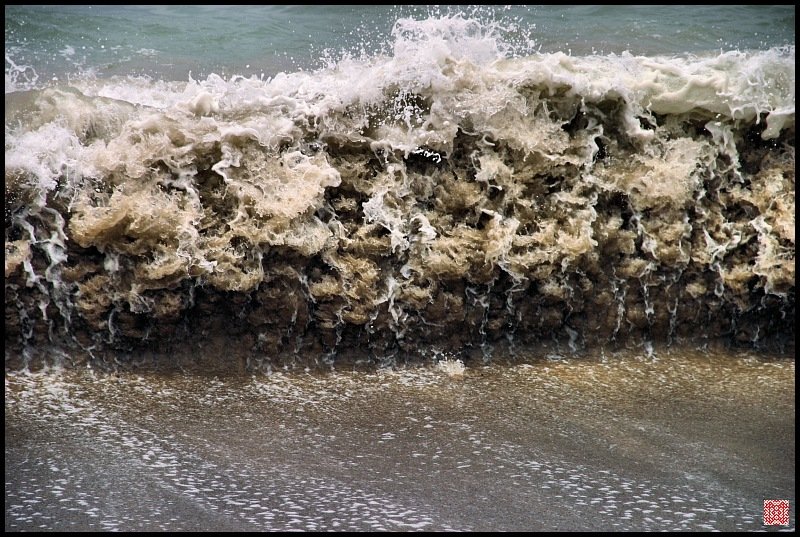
(170, 42)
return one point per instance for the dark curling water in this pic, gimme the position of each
(584, 194)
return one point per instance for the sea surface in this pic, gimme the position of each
(399, 267)
(44, 43)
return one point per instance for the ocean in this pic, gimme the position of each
(44, 43)
(561, 236)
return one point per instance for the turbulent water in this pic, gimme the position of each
(455, 190)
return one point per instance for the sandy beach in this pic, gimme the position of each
(682, 441)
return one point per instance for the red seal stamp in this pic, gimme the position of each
(776, 512)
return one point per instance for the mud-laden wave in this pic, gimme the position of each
(440, 197)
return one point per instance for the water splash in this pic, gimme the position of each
(448, 192)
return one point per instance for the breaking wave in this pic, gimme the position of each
(445, 195)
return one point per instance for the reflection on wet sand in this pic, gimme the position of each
(678, 441)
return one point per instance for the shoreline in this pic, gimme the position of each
(203, 357)
(681, 442)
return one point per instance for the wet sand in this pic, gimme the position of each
(683, 441)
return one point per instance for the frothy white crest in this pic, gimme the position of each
(462, 66)
(435, 40)
(737, 85)
(453, 56)
(45, 154)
